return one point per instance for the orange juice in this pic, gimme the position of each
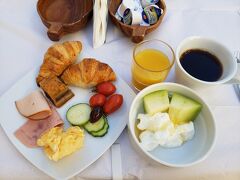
(149, 66)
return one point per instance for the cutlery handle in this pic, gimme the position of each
(55, 32)
(237, 90)
(236, 78)
(116, 162)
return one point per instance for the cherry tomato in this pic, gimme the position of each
(113, 103)
(106, 88)
(97, 100)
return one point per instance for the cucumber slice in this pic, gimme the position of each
(94, 127)
(79, 114)
(102, 132)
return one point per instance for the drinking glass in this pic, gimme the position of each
(143, 76)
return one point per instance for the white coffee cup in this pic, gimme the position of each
(230, 65)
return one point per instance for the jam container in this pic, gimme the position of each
(151, 14)
(131, 17)
(146, 3)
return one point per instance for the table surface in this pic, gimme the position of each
(24, 41)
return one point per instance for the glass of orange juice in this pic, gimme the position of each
(152, 61)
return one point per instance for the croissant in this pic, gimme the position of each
(57, 58)
(88, 73)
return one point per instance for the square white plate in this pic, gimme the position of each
(93, 148)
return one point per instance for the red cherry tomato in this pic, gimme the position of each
(113, 103)
(106, 88)
(97, 100)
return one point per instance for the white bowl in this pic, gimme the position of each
(191, 152)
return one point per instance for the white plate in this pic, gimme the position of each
(93, 148)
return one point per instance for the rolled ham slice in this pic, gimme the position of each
(31, 131)
(34, 106)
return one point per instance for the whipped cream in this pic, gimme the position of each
(158, 129)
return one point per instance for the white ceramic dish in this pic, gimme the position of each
(93, 148)
(191, 152)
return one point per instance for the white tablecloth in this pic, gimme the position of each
(23, 41)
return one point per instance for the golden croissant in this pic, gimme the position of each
(88, 73)
(57, 58)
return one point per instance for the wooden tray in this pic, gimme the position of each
(136, 32)
(64, 16)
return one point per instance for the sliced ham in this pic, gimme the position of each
(29, 133)
(34, 106)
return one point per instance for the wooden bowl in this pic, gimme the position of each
(136, 32)
(64, 16)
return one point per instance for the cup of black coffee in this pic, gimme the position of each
(203, 62)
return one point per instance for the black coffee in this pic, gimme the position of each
(201, 65)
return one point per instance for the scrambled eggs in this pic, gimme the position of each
(58, 144)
